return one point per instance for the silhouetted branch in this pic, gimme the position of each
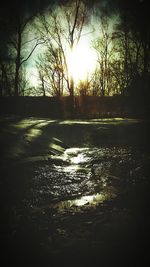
(30, 54)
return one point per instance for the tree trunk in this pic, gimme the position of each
(18, 60)
(146, 59)
(71, 90)
(17, 81)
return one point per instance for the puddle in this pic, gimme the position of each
(86, 201)
(85, 176)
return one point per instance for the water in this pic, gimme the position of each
(85, 177)
(74, 186)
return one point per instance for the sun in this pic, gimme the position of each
(81, 61)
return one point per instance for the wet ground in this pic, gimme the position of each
(74, 192)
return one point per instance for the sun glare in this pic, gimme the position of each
(81, 61)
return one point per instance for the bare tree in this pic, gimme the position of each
(84, 87)
(52, 59)
(76, 16)
(23, 81)
(104, 48)
(5, 78)
(21, 46)
(51, 73)
(128, 62)
(61, 31)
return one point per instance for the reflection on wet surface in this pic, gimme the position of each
(85, 175)
(86, 201)
(73, 184)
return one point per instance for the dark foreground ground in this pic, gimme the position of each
(74, 193)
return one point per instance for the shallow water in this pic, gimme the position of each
(86, 176)
(66, 184)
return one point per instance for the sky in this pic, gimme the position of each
(9, 10)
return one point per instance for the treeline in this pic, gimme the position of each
(122, 45)
(84, 107)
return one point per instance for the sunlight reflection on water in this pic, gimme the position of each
(76, 155)
(83, 177)
(89, 200)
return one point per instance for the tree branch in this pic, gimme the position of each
(30, 54)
